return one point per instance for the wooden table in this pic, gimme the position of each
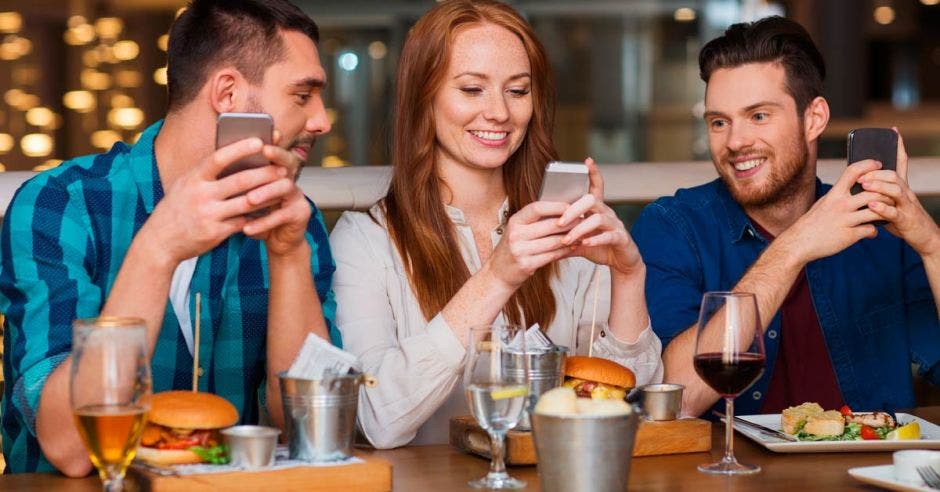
(421, 468)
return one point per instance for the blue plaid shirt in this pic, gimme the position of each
(64, 238)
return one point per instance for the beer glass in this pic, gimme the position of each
(109, 389)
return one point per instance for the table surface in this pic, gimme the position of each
(441, 467)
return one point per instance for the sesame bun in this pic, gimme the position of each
(166, 457)
(599, 370)
(188, 410)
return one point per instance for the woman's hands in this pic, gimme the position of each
(596, 232)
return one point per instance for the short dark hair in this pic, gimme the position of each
(771, 39)
(242, 33)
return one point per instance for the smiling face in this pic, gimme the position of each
(482, 109)
(291, 94)
(757, 139)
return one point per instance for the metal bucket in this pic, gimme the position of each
(320, 416)
(583, 452)
(546, 371)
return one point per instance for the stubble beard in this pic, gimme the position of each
(785, 182)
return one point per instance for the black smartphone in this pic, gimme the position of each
(880, 144)
(564, 182)
(232, 127)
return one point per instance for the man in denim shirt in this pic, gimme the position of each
(846, 306)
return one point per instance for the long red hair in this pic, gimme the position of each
(417, 220)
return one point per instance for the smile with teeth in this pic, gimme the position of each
(748, 164)
(489, 135)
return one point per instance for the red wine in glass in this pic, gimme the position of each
(729, 357)
(729, 377)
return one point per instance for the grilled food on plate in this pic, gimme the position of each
(809, 422)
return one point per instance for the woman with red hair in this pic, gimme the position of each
(461, 239)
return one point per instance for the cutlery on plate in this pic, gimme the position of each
(763, 430)
(930, 476)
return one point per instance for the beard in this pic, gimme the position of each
(784, 182)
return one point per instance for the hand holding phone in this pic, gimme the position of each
(880, 144)
(233, 127)
(564, 182)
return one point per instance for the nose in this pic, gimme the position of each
(496, 108)
(318, 121)
(739, 137)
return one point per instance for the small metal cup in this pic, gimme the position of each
(251, 446)
(661, 401)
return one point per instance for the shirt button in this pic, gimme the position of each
(756, 395)
(603, 333)
(771, 334)
(499, 230)
(200, 372)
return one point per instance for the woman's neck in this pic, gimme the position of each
(476, 192)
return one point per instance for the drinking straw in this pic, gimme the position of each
(196, 346)
(597, 283)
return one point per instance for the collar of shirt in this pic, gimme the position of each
(143, 163)
(739, 226)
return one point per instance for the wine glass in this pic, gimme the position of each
(496, 382)
(110, 391)
(729, 357)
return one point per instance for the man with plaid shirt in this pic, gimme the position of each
(121, 233)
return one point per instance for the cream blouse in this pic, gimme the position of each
(419, 363)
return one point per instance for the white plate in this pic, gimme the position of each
(929, 433)
(883, 476)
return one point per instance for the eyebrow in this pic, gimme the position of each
(752, 107)
(310, 83)
(484, 76)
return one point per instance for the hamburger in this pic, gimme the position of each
(183, 428)
(597, 378)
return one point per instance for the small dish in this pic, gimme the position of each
(251, 446)
(906, 463)
(883, 476)
(661, 401)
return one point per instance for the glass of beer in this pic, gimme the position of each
(110, 391)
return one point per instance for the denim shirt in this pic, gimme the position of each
(873, 300)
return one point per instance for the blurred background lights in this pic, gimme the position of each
(121, 101)
(128, 78)
(126, 50)
(80, 101)
(11, 21)
(127, 118)
(109, 27)
(884, 15)
(94, 80)
(159, 75)
(684, 14)
(36, 145)
(6, 143)
(348, 61)
(163, 42)
(40, 116)
(47, 165)
(930, 2)
(377, 50)
(104, 139)
(79, 35)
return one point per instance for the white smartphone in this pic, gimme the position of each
(564, 182)
(232, 127)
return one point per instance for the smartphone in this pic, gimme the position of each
(232, 127)
(880, 144)
(564, 182)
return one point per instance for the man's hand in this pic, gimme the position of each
(282, 229)
(200, 211)
(904, 213)
(837, 220)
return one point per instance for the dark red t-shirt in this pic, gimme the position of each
(803, 369)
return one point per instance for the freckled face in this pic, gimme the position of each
(482, 110)
(755, 135)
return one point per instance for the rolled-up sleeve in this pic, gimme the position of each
(416, 373)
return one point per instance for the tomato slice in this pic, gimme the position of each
(845, 411)
(869, 433)
(180, 443)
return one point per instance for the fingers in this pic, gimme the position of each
(853, 172)
(294, 211)
(222, 158)
(595, 223)
(243, 181)
(902, 155)
(536, 211)
(596, 187)
(577, 209)
(282, 157)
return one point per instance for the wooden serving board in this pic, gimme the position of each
(373, 475)
(687, 435)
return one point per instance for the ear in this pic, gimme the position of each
(815, 118)
(226, 89)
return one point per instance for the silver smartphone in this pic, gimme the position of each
(564, 182)
(232, 127)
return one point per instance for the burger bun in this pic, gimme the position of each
(167, 457)
(599, 370)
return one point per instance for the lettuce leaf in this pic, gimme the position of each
(217, 455)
